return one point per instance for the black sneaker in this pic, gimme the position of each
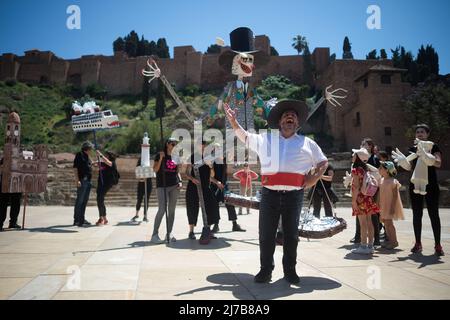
(192, 236)
(81, 225)
(206, 236)
(86, 223)
(1, 228)
(263, 276)
(238, 228)
(291, 277)
(356, 241)
(14, 226)
(215, 228)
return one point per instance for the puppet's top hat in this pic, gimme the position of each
(242, 41)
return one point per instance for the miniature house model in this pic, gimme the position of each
(23, 172)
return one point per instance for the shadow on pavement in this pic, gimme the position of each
(54, 229)
(195, 245)
(419, 258)
(242, 286)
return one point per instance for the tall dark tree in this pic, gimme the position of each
(152, 47)
(333, 57)
(119, 44)
(160, 100)
(372, 55)
(396, 57)
(162, 49)
(427, 62)
(383, 54)
(131, 44)
(308, 67)
(141, 47)
(213, 49)
(273, 51)
(347, 49)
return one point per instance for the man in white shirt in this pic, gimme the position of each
(286, 161)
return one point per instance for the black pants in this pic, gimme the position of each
(193, 205)
(273, 205)
(141, 192)
(432, 200)
(318, 196)
(102, 190)
(83, 193)
(14, 200)
(232, 216)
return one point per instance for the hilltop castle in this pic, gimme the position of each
(371, 109)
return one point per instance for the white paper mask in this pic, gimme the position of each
(243, 65)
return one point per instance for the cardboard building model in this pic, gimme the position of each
(23, 171)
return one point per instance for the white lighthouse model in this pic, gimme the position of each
(145, 151)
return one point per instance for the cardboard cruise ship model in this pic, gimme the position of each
(89, 117)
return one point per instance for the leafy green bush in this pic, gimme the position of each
(96, 91)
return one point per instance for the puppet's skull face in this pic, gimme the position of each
(243, 65)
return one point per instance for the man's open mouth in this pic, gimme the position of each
(245, 68)
(290, 121)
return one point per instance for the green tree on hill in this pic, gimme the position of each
(428, 62)
(372, 55)
(308, 67)
(213, 49)
(119, 44)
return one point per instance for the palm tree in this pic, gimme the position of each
(299, 43)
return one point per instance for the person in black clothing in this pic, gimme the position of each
(192, 199)
(9, 198)
(219, 187)
(319, 193)
(83, 176)
(433, 161)
(141, 194)
(368, 144)
(107, 170)
(168, 186)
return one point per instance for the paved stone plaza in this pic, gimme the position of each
(51, 259)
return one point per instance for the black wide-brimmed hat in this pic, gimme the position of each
(300, 107)
(242, 41)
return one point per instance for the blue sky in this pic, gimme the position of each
(27, 24)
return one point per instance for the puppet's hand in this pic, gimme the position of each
(347, 179)
(230, 113)
(400, 159)
(426, 157)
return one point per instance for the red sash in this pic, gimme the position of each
(283, 179)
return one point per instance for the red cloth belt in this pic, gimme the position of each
(283, 179)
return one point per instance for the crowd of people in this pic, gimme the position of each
(375, 191)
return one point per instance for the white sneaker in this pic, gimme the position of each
(156, 239)
(362, 249)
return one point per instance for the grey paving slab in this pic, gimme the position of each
(52, 259)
